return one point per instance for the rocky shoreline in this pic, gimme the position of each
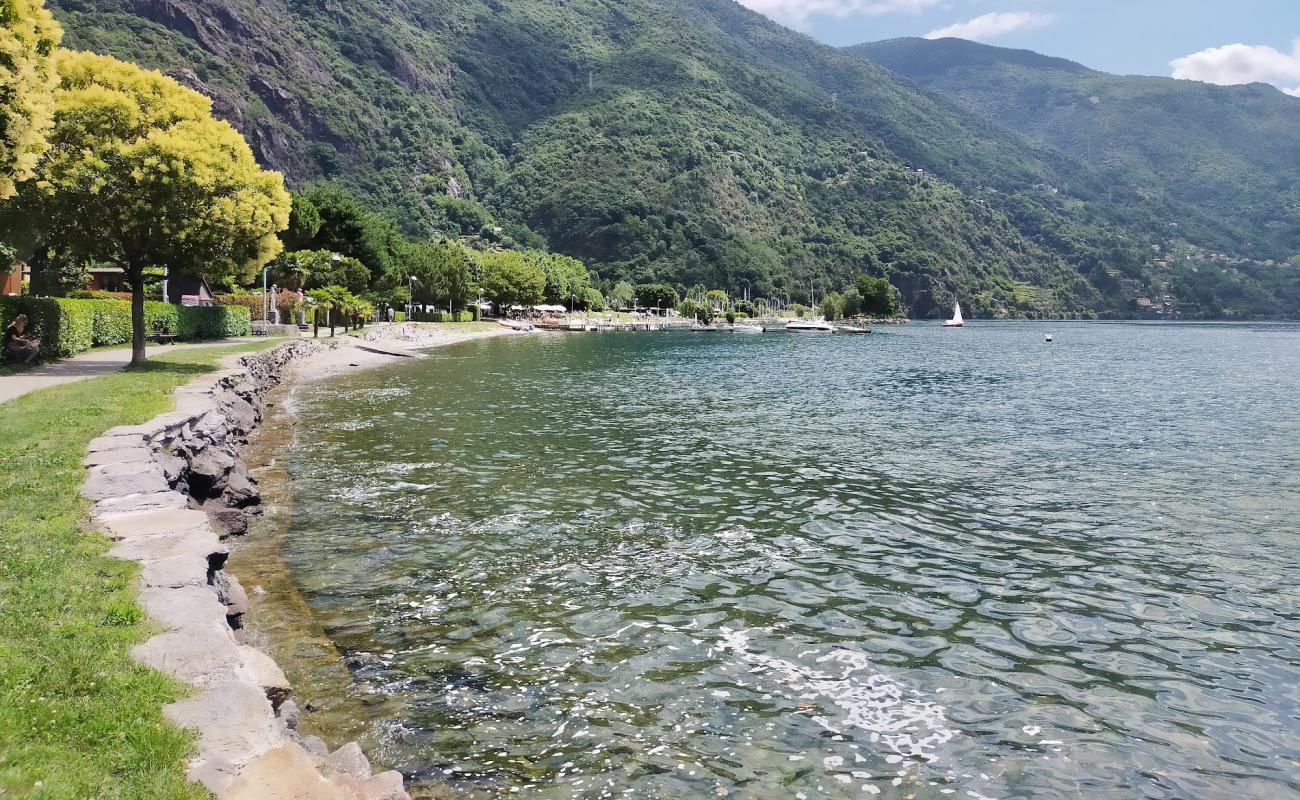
(172, 494)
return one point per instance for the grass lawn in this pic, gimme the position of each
(78, 718)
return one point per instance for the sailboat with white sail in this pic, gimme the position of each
(956, 321)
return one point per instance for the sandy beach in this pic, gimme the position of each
(375, 347)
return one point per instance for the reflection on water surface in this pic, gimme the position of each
(921, 564)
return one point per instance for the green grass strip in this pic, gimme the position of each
(78, 718)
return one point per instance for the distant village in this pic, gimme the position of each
(1153, 299)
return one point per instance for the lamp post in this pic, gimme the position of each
(265, 270)
(410, 300)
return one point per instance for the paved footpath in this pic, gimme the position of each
(83, 367)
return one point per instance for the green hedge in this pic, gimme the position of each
(112, 322)
(214, 322)
(67, 327)
(443, 316)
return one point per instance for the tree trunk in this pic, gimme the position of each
(42, 283)
(136, 276)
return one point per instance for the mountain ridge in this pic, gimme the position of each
(1210, 151)
(692, 141)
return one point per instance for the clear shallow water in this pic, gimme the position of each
(924, 563)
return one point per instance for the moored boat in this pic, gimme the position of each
(818, 325)
(852, 329)
(746, 327)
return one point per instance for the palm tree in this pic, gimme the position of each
(324, 304)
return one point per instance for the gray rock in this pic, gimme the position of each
(175, 572)
(349, 760)
(241, 414)
(235, 724)
(231, 593)
(124, 479)
(229, 521)
(287, 772)
(208, 471)
(315, 745)
(107, 442)
(121, 455)
(165, 500)
(215, 773)
(153, 523)
(201, 656)
(173, 465)
(288, 713)
(146, 549)
(267, 674)
(191, 608)
(385, 786)
(241, 489)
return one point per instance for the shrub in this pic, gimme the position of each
(252, 302)
(65, 327)
(70, 326)
(161, 318)
(99, 294)
(112, 322)
(212, 322)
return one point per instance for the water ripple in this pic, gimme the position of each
(925, 564)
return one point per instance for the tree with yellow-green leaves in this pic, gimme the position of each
(28, 38)
(140, 175)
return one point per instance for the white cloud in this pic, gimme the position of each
(993, 25)
(796, 12)
(1242, 63)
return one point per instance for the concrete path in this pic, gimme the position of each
(84, 367)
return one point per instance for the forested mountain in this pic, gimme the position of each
(686, 141)
(1221, 160)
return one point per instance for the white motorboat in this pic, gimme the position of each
(956, 321)
(700, 327)
(746, 327)
(818, 325)
(852, 329)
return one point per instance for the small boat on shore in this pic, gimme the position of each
(956, 321)
(515, 324)
(809, 326)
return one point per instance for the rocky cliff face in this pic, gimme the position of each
(273, 69)
(171, 494)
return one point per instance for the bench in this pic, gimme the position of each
(163, 338)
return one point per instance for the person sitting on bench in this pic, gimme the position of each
(16, 346)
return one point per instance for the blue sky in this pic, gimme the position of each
(1228, 41)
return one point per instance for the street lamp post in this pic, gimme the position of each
(265, 270)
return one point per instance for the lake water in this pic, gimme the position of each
(920, 564)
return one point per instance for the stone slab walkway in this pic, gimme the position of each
(85, 366)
